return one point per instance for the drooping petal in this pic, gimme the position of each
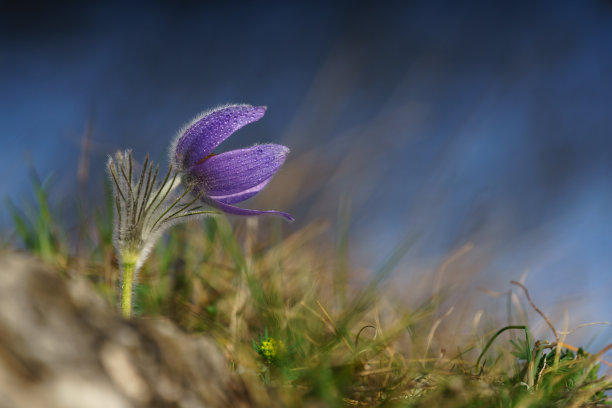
(210, 129)
(241, 196)
(230, 209)
(238, 170)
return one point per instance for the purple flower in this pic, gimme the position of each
(231, 177)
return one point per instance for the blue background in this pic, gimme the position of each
(483, 122)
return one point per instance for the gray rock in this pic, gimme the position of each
(62, 345)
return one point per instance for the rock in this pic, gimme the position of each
(62, 345)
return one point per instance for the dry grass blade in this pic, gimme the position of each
(537, 309)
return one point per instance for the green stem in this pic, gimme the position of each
(129, 268)
(530, 363)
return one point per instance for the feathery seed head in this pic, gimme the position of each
(145, 206)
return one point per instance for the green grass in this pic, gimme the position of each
(292, 322)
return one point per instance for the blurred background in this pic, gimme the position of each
(480, 128)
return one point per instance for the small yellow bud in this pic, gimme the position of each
(270, 349)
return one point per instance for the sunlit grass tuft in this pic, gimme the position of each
(300, 331)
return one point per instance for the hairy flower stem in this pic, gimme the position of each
(144, 208)
(128, 267)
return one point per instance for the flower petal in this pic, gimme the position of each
(230, 209)
(238, 170)
(241, 196)
(211, 128)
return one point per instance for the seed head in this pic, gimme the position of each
(145, 207)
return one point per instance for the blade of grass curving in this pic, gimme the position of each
(44, 220)
(21, 225)
(528, 346)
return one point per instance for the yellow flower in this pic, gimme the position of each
(270, 349)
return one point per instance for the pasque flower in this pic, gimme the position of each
(145, 206)
(230, 177)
